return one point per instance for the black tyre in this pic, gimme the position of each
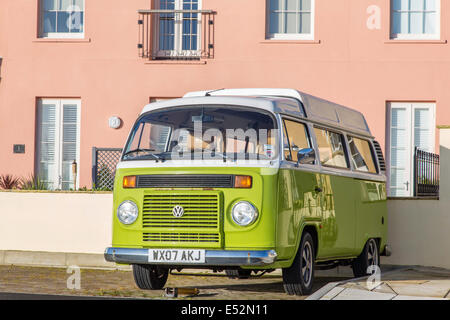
(299, 277)
(370, 256)
(238, 273)
(148, 277)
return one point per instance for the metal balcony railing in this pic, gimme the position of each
(176, 34)
(426, 174)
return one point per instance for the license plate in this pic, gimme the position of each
(176, 255)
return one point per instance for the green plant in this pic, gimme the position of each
(95, 188)
(34, 183)
(9, 182)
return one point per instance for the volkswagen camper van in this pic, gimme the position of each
(247, 181)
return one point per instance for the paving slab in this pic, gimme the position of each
(409, 283)
(400, 297)
(432, 288)
(330, 295)
(356, 294)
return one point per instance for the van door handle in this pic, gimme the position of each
(318, 189)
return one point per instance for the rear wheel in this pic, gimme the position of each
(299, 277)
(148, 277)
(368, 260)
(238, 273)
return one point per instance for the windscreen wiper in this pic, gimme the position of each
(157, 158)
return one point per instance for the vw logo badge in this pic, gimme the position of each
(178, 211)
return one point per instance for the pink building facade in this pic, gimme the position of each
(67, 67)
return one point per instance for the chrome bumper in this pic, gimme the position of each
(212, 257)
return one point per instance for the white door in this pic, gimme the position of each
(58, 142)
(410, 125)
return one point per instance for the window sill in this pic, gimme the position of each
(177, 62)
(277, 41)
(61, 40)
(413, 198)
(395, 41)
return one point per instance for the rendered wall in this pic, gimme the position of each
(419, 230)
(55, 222)
(347, 63)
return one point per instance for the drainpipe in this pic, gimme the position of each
(1, 60)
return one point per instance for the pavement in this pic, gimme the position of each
(407, 283)
(49, 283)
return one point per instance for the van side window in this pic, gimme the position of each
(361, 155)
(297, 139)
(331, 148)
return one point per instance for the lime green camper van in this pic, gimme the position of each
(249, 180)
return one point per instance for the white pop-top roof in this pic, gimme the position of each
(284, 101)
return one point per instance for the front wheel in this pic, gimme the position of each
(368, 260)
(299, 277)
(148, 277)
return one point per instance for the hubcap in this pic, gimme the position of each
(372, 253)
(307, 263)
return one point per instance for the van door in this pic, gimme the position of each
(298, 201)
(338, 194)
(371, 216)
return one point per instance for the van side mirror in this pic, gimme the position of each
(306, 156)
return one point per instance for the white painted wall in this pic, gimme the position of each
(419, 230)
(55, 222)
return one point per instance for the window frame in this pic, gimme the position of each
(344, 145)
(177, 51)
(290, 36)
(59, 139)
(286, 134)
(410, 107)
(414, 36)
(59, 35)
(372, 152)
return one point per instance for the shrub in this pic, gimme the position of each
(33, 183)
(9, 182)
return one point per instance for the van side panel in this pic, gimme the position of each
(323, 200)
(338, 200)
(298, 205)
(371, 213)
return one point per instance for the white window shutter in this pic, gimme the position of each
(58, 136)
(48, 137)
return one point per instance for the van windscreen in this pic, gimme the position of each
(203, 133)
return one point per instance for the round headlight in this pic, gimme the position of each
(127, 212)
(244, 213)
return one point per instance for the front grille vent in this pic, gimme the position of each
(380, 157)
(182, 237)
(199, 211)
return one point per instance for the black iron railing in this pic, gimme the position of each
(426, 174)
(176, 34)
(104, 162)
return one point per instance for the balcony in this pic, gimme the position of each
(176, 34)
(426, 174)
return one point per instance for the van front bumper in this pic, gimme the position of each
(212, 257)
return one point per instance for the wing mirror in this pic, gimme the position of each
(306, 156)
